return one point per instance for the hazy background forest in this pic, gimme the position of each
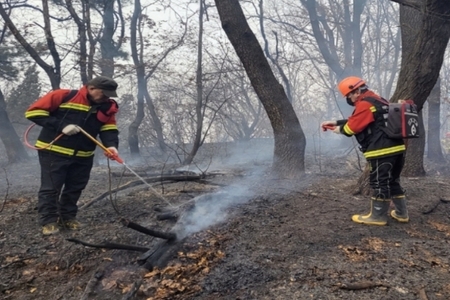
(181, 84)
(236, 90)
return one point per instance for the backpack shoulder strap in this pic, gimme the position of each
(69, 96)
(376, 100)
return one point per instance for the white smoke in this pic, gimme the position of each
(211, 209)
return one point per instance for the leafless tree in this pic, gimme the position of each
(53, 72)
(144, 72)
(84, 36)
(289, 137)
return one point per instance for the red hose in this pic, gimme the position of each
(25, 139)
(108, 153)
(330, 127)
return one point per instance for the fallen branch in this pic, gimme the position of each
(89, 290)
(16, 261)
(110, 246)
(133, 290)
(360, 285)
(430, 210)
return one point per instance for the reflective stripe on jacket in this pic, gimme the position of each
(53, 112)
(365, 124)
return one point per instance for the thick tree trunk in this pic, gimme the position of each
(414, 154)
(424, 40)
(290, 142)
(434, 148)
(106, 41)
(13, 146)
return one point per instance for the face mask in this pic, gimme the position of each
(349, 101)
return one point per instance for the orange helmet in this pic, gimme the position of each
(350, 84)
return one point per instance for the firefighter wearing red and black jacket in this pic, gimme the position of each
(66, 164)
(385, 156)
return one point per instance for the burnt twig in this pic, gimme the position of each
(360, 285)
(17, 261)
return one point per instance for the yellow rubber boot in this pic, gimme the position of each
(400, 213)
(378, 213)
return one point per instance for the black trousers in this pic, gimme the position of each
(384, 178)
(62, 181)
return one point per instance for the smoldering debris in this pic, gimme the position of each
(210, 209)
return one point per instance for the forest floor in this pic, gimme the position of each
(241, 235)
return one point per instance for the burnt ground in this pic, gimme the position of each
(246, 237)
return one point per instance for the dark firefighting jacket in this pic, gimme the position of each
(366, 124)
(54, 111)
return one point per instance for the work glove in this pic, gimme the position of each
(112, 154)
(71, 129)
(337, 129)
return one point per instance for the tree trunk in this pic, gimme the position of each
(156, 121)
(414, 154)
(83, 56)
(137, 53)
(13, 146)
(424, 41)
(199, 84)
(290, 142)
(106, 41)
(133, 138)
(434, 152)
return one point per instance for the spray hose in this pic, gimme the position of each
(25, 139)
(111, 155)
(330, 127)
(108, 152)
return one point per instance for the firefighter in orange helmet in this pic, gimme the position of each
(385, 156)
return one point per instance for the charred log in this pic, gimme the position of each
(163, 209)
(167, 216)
(160, 256)
(162, 235)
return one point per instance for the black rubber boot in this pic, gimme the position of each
(378, 213)
(400, 213)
